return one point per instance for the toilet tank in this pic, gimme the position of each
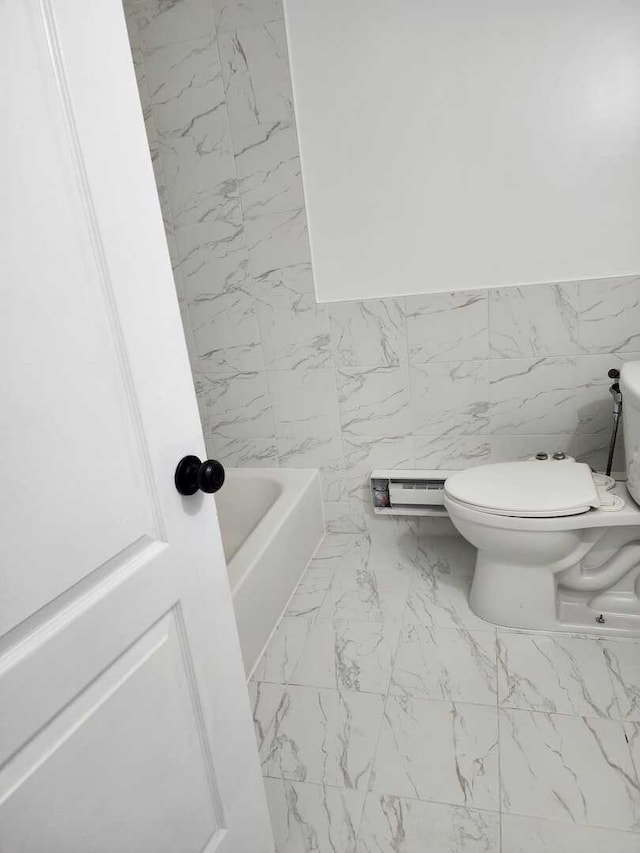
(630, 387)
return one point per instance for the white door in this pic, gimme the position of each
(124, 718)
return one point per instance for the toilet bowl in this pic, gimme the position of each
(556, 550)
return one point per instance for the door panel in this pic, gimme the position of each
(45, 673)
(74, 461)
(142, 777)
(125, 716)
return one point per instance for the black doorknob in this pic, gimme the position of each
(192, 474)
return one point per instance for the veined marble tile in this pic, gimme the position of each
(358, 494)
(533, 835)
(438, 751)
(332, 481)
(233, 14)
(594, 450)
(311, 591)
(445, 555)
(576, 769)
(342, 550)
(226, 332)
(397, 534)
(397, 528)
(131, 20)
(342, 517)
(558, 674)
(358, 491)
(314, 579)
(313, 818)
(243, 453)
(443, 663)
(511, 448)
(368, 333)
(268, 167)
(364, 453)
(256, 75)
(238, 405)
(213, 258)
(283, 651)
(305, 403)
(632, 735)
(378, 527)
(440, 600)
(623, 661)
(305, 604)
(448, 326)
(374, 401)
(358, 552)
(160, 22)
(283, 286)
(397, 825)
(194, 361)
(311, 734)
(200, 182)
(389, 551)
(153, 139)
(348, 655)
(183, 79)
(139, 66)
(188, 106)
(407, 533)
(294, 336)
(451, 451)
(534, 321)
(322, 453)
(592, 386)
(199, 385)
(533, 396)
(435, 526)
(450, 397)
(610, 315)
(167, 217)
(278, 241)
(141, 80)
(367, 594)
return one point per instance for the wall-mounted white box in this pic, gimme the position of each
(416, 492)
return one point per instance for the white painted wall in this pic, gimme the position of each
(452, 144)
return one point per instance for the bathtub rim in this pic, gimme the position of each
(258, 541)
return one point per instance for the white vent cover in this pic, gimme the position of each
(409, 492)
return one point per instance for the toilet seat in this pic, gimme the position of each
(525, 489)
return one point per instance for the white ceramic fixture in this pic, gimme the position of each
(557, 548)
(271, 523)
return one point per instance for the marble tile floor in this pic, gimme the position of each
(390, 719)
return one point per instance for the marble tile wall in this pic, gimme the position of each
(435, 380)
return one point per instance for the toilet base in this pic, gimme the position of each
(513, 596)
(528, 598)
(619, 619)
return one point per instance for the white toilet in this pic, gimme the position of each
(557, 549)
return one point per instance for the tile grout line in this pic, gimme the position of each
(385, 699)
(500, 812)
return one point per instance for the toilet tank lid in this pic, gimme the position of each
(526, 488)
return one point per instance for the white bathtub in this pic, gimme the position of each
(271, 520)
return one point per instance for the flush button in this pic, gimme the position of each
(542, 456)
(559, 454)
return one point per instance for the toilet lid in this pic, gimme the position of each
(526, 489)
